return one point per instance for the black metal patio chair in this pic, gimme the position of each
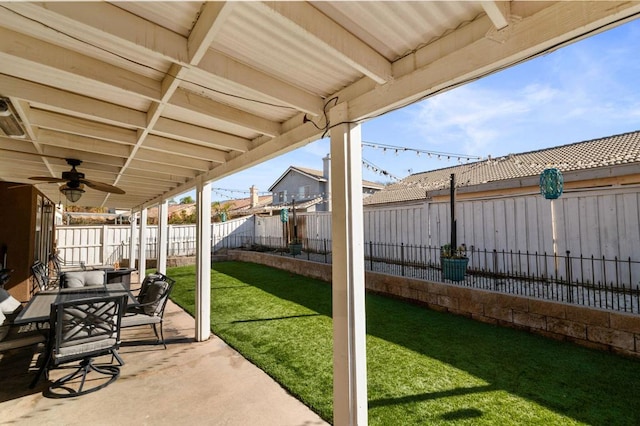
(81, 330)
(152, 300)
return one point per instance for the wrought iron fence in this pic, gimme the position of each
(612, 284)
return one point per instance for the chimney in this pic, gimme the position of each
(326, 173)
(326, 166)
(253, 202)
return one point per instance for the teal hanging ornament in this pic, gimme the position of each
(284, 215)
(551, 183)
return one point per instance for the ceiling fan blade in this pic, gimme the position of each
(105, 187)
(48, 179)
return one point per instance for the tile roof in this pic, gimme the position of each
(317, 174)
(602, 152)
(245, 203)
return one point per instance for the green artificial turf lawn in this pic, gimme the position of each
(423, 367)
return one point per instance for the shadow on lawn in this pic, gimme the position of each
(382, 402)
(586, 385)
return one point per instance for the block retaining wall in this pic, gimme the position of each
(591, 327)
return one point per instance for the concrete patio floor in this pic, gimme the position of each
(188, 383)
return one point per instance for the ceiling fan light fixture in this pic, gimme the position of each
(72, 194)
(8, 121)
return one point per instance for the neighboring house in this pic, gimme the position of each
(310, 188)
(499, 206)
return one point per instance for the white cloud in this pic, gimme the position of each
(473, 119)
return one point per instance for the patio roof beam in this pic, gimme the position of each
(78, 105)
(210, 108)
(200, 135)
(234, 72)
(64, 123)
(149, 166)
(83, 143)
(498, 11)
(161, 158)
(46, 63)
(184, 149)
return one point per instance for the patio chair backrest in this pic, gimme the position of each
(145, 284)
(86, 327)
(39, 272)
(154, 293)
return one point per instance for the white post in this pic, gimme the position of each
(142, 252)
(105, 247)
(554, 236)
(132, 240)
(203, 261)
(349, 328)
(163, 231)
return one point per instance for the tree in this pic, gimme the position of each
(219, 210)
(186, 200)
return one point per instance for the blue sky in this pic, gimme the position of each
(584, 91)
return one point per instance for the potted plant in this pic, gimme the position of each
(454, 262)
(295, 246)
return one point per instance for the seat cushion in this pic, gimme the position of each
(97, 346)
(78, 279)
(9, 306)
(139, 319)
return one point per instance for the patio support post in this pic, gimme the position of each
(163, 231)
(203, 261)
(349, 323)
(142, 263)
(132, 239)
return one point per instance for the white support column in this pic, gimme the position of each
(203, 261)
(133, 239)
(163, 232)
(142, 252)
(349, 328)
(103, 239)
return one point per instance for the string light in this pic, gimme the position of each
(439, 154)
(370, 166)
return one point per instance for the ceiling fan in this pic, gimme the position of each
(75, 181)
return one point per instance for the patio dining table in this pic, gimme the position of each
(39, 307)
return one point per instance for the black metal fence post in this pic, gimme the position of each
(402, 259)
(569, 277)
(370, 255)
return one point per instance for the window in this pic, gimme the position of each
(282, 196)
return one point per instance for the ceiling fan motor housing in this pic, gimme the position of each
(73, 176)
